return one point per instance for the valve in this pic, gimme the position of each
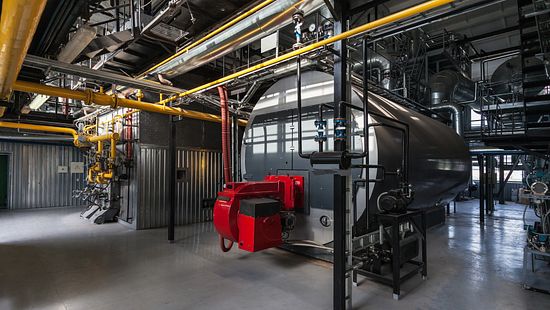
(298, 19)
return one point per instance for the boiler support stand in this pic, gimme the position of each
(417, 219)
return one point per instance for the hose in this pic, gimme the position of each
(226, 139)
(222, 244)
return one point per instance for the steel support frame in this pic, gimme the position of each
(417, 219)
(501, 179)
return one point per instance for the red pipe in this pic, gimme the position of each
(222, 245)
(226, 138)
(226, 150)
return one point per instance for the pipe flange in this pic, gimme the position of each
(89, 96)
(114, 105)
(539, 188)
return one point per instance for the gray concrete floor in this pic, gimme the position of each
(51, 259)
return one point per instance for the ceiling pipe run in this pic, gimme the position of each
(88, 97)
(252, 27)
(360, 30)
(54, 129)
(17, 26)
(218, 30)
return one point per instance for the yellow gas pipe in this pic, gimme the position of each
(32, 127)
(95, 173)
(17, 26)
(101, 176)
(213, 33)
(88, 96)
(428, 5)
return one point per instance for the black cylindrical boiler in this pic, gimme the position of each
(439, 162)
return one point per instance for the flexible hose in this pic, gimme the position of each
(226, 139)
(222, 244)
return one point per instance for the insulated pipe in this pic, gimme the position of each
(456, 111)
(226, 149)
(428, 5)
(256, 26)
(211, 34)
(17, 26)
(88, 96)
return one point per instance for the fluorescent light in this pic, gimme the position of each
(38, 101)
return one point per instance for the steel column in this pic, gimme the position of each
(172, 167)
(501, 179)
(481, 189)
(340, 112)
(489, 183)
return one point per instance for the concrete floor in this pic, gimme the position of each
(51, 259)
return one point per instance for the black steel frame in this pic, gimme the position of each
(394, 221)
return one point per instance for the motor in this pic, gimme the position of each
(395, 200)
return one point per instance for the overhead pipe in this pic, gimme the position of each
(95, 173)
(88, 96)
(218, 30)
(17, 26)
(63, 130)
(426, 6)
(252, 28)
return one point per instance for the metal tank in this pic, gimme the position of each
(508, 77)
(439, 160)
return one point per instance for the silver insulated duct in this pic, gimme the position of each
(262, 23)
(449, 86)
(448, 89)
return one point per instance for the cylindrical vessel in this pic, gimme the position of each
(439, 162)
(449, 86)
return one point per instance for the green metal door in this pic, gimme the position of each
(4, 172)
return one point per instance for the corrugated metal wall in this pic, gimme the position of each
(34, 181)
(203, 175)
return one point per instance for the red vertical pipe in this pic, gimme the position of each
(226, 139)
(226, 150)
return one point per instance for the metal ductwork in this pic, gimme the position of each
(17, 26)
(259, 24)
(82, 37)
(449, 86)
(162, 31)
(456, 111)
(378, 66)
